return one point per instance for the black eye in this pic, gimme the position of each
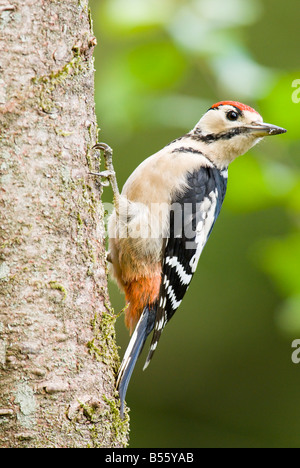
(232, 115)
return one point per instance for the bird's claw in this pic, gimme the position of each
(103, 146)
(109, 174)
(105, 174)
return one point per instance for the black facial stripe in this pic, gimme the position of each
(211, 137)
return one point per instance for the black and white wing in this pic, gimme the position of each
(192, 217)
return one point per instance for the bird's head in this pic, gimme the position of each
(230, 129)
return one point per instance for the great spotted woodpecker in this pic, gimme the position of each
(164, 216)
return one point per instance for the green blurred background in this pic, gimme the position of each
(222, 375)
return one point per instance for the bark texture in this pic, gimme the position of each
(57, 345)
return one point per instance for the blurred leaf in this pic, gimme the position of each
(193, 33)
(257, 183)
(231, 12)
(114, 95)
(240, 75)
(288, 316)
(134, 15)
(280, 258)
(156, 65)
(174, 111)
(133, 81)
(281, 106)
(293, 201)
(247, 190)
(205, 26)
(280, 179)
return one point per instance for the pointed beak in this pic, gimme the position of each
(261, 129)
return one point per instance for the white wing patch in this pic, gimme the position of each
(208, 206)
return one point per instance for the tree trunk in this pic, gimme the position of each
(58, 355)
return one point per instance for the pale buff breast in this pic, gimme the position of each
(136, 233)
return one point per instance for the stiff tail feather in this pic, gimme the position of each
(144, 327)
